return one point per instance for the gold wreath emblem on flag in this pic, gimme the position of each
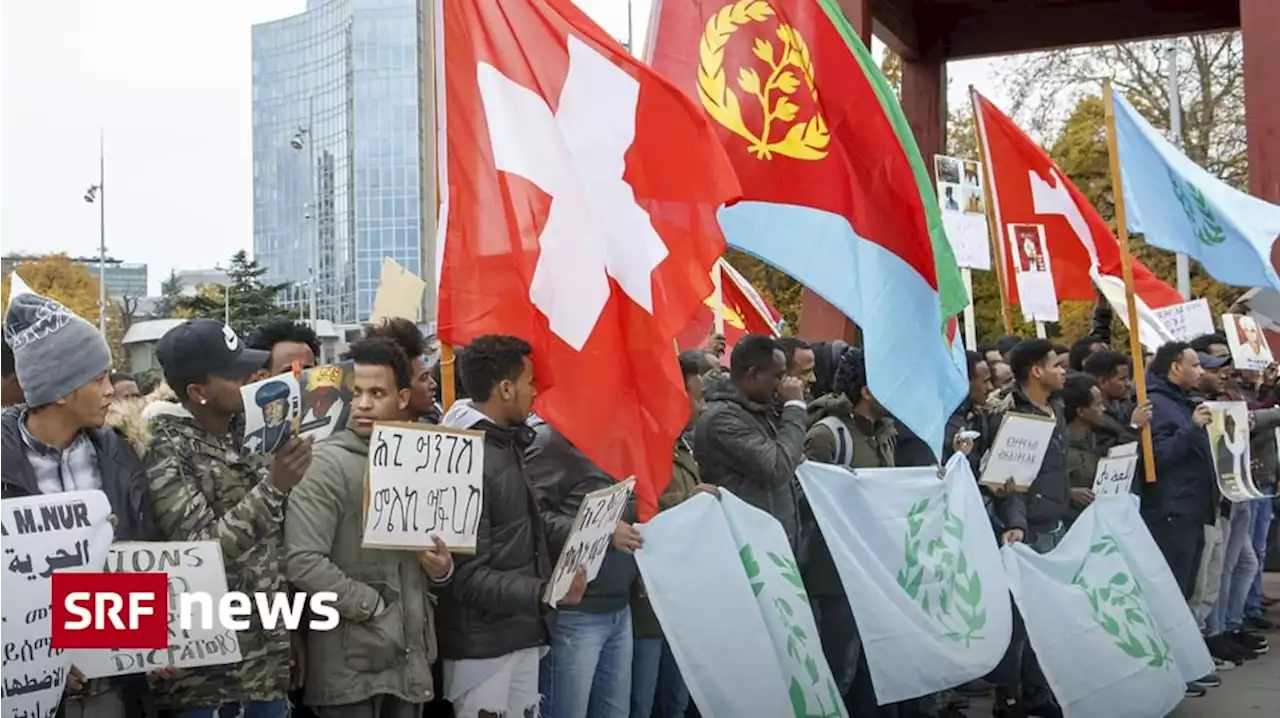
(731, 315)
(801, 139)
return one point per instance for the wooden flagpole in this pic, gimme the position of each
(995, 230)
(428, 116)
(1126, 264)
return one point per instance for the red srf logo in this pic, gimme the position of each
(110, 610)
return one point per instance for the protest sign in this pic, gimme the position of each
(399, 293)
(1249, 348)
(1114, 476)
(1229, 442)
(271, 411)
(1106, 593)
(1032, 272)
(423, 480)
(963, 215)
(192, 566)
(326, 399)
(589, 538)
(1187, 320)
(1018, 450)
(42, 534)
(920, 570)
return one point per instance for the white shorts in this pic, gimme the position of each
(506, 685)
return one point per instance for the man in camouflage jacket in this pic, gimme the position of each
(204, 486)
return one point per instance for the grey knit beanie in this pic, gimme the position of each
(55, 352)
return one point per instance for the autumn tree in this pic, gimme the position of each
(57, 277)
(170, 292)
(252, 301)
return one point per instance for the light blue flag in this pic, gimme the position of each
(1178, 206)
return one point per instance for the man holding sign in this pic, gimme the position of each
(378, 661)
(494, 625)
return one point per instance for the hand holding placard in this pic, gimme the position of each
(1018, 450)
(592, 533)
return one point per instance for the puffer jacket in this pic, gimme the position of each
(366, 655)
(493, 606)
(740, 446)
(561, 477)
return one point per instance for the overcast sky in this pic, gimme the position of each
(168, 83)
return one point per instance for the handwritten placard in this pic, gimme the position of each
(193, 566)
(1018, 450)
(592, 531)
(42, 534)
(423, 480)
(1114, 476)
(1187, 320)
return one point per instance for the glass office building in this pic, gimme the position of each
(335, 151)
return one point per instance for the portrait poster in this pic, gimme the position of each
(964, 217)
(325, 393)
(271, 412)
(1229, 443)
(1249, 348)
(1033, 272)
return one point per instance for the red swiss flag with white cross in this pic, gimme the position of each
(580, 192)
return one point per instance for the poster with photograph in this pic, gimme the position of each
(964, 215)
(1249, 349)
(1029, 253)
(1229, 442)
(271, 411)
(326, 399)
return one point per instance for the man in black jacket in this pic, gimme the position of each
(492, 623)
(1123, 419)
(1036, 517)
(588, 672)
(56, 442)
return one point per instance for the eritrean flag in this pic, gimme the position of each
(835, 192)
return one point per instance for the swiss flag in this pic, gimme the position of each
(579, 197)
(1028, 188)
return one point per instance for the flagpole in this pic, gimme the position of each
(993, 211)
(1126, 264)
(428, 59)
(717, 280)
(970, 321)
(1175, 127)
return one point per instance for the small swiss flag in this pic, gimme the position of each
(579, 193)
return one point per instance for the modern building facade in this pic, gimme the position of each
(335, 151)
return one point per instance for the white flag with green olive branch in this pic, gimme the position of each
(1105, 616)
(724, 584)
(921, 568)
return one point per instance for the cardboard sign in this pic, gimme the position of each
(192, 566)
(42, 534)
(1187, 320)
(589, 539)
(423, 480)
(1018, 450)
(399, 293)
(1114, 476)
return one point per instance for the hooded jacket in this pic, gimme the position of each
(561, 477)
(125, 484)
(740, 446)
(493, 606)
(1185, 485)
(366, 655)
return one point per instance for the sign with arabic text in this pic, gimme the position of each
(43, 534)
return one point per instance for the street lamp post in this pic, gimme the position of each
(304, 138)
(96, 194)
(226, 296)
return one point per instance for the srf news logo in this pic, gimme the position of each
(130, 611)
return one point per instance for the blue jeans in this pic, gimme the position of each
(1238, 568)
(588, 671)
(249, 709)
(1263, 515)
(657, 688)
